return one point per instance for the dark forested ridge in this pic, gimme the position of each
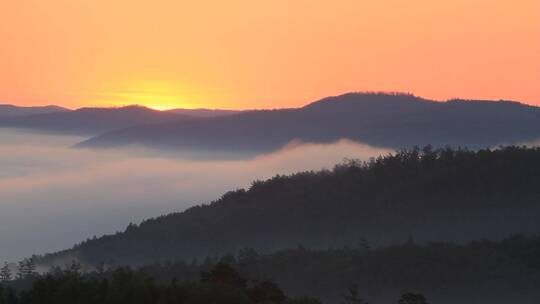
(506, 271)
(386, 120)
(424, 194)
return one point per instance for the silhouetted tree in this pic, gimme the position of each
(224, 274)
(5, 273)
(26, 268)
(352, 297)
(75, 268)
(266, 292)
(303, 300)
(412, 298)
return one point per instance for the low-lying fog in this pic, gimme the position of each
(53, 196)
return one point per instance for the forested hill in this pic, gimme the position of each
(423, 194)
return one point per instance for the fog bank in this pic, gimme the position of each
(53, 196)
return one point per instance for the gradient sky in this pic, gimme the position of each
(264, 54)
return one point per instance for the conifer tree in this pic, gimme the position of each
(5, 273)
(27, 268)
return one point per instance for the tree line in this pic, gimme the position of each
(482, 271)
(222, 284)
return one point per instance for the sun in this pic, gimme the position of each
(155, 96)
(158, 96)
(157, 101)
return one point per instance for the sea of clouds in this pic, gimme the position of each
(53, 196)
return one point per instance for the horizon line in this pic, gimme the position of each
(157, 108)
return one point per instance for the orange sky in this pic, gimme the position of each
(264, 54)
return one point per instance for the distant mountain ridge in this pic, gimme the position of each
(12, 110)
(90, 121)
(387, 120)
(378, 119)
(95, 120)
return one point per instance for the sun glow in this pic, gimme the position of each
(265, 54)
(155, 96)
(158, 101)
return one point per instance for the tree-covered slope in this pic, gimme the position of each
(441, 195)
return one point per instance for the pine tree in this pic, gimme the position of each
(21, 270)
(5, 273)
(353, 296)
(412, 298)
(27, 268)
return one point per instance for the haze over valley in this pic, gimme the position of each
(93, 192)
(269, 152)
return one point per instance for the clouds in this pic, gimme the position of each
(52, 196)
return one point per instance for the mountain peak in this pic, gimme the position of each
(367, 97)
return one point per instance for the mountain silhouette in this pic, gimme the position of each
(385, 120)
(91, 121)
(11, 110)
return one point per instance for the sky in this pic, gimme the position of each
(242, 54)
